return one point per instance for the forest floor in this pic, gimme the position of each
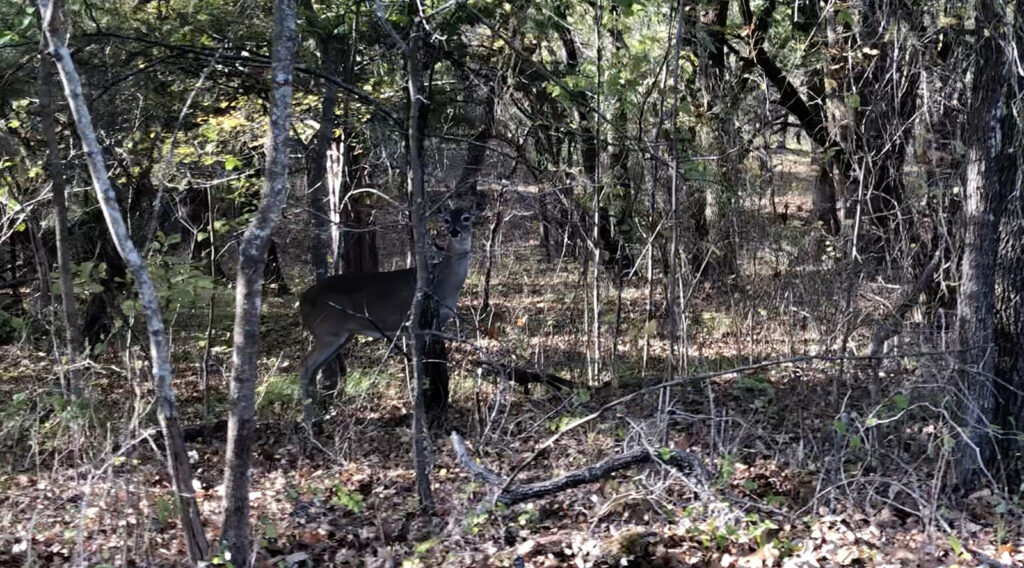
(809, 464)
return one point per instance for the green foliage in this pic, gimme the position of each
(278, 393)
(562, 422)
(165, 507)
(19, 23)
(476, 520)
(11, 327)
(360, 381)
(351, 500)
(726, 469)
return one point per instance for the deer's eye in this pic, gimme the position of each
(447, 221)
(465, 218)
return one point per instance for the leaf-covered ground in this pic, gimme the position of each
(808, 466)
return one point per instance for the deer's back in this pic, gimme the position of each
(353, 299)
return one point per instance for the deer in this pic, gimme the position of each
(377, 304)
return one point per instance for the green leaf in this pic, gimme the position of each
(853, 101)
(901, 401)
(231, 163)
(130, 307)
(956, 545)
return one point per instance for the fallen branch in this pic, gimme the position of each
(679, 460)
(525, 377)
(665, 384)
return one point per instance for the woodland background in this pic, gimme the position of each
(768, 256)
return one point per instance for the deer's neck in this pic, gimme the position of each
(450, 275)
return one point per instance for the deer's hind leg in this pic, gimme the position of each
(332, 373)
(324, 348)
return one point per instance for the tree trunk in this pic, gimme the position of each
(252, 255)
(72, 324)
(422, 302)
(885, 108)
(435, 367)
(316, 173)
(990, 178)
(476, 149)
(1009, 321)
(1009, 337)
(177, 457)
(715, 230)
(273, 272)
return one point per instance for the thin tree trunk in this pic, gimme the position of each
(252, 256)
(674, 307)
(72, 324)
(595, 366)
(316, 174)
(421, 301)
(40, 259)
(177, 457)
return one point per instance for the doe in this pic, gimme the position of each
(377, 304)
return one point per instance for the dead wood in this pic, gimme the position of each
(525, 377)
(684, 462)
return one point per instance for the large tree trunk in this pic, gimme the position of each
(167, 411)
(72, 324)
(990, 177)
(1009, 322)
(1009, 336)
(252, 257)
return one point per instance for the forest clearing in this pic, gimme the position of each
(726, 283)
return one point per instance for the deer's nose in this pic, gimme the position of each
(455, 233)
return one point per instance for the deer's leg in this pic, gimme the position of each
(324, 348)
(333, 371)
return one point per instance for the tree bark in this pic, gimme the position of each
(715, 230)
(252, 257)
(177, 457)
(72, 324)
(1009, 335)
(421, 245)
(1009, 321)
(990, 178)
(316, 173)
